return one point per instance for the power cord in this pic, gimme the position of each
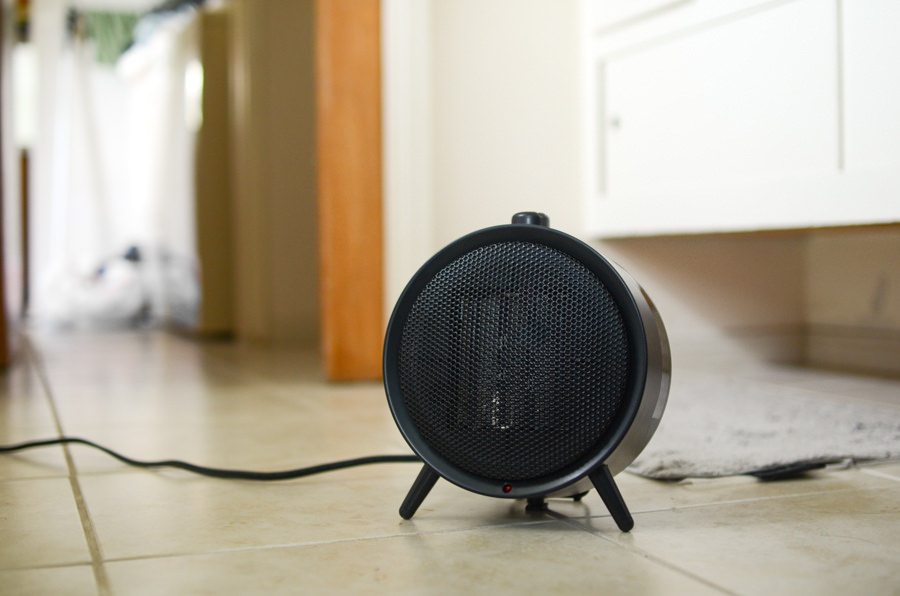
(219, 472)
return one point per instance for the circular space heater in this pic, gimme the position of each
(520, 363)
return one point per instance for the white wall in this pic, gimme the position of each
(505, 111)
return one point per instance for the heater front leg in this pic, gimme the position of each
(612, 498)
(420, 489)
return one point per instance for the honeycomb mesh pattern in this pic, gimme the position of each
(513, 361)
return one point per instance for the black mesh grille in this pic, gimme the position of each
(513, 361)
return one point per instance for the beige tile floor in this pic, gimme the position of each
(74, 521)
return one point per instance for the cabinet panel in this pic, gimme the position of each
(751, 99)
(872, 83)
(608, 13)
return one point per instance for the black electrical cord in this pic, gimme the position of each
(219, 472)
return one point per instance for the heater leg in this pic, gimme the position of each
(612, 498)
(420, 489)
(536, 504)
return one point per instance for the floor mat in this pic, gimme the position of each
(727, 425)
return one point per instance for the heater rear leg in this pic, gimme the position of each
(420, 489)
(612, 498)
(536, 504)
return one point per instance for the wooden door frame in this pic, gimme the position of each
(349, 174)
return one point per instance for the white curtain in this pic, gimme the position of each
(113, 169)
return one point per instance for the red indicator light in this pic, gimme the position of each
(507, 488)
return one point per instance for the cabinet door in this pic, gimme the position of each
(694, 127)
(608, 13)
(871, 47)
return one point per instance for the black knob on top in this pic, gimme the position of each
(532, 218)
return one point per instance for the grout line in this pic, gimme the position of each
(878, 474)
(727, 502)
(28, 478)
(749, 500)
(641, 553)
(752, 499)
(90, 533)
(46, 566)
(662, 562)
(299, 545)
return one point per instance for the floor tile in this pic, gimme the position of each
(74, 581)
(25, 414)
(45, 462)
(275, 364)
(23, 404)
(890, 470)
(39, 524)
(183, 514)
(644, 495)
(835, 542)
(544, 558)
(110, 380)
(243, 428)
(120, 360)
(114, 397)
(278, 447)
(211, 414)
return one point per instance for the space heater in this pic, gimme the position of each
(520, 363)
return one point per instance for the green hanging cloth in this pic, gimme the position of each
(112, 32)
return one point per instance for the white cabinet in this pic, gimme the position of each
(723, 115)
(616, 13)
(721, 108)
(871, 52)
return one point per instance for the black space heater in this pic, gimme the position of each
(520, 363)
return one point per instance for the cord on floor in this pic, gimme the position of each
(219, 472)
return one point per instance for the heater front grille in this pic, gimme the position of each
(514, 361)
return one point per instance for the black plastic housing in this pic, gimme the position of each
(533, 229)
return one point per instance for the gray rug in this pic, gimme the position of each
(720, 426)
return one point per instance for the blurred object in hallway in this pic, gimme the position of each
(112, 214)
